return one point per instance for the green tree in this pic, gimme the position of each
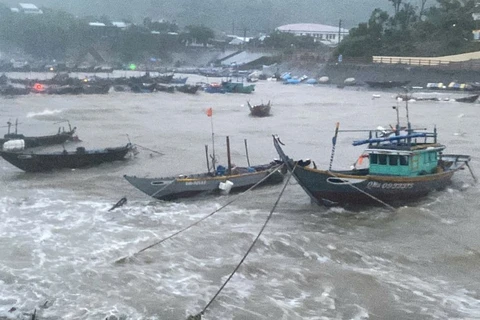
(199, 34)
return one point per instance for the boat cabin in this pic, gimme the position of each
(404, 162)
(407, 154)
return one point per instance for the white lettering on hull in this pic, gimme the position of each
(389, 185)
(196, 183)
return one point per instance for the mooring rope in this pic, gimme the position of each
(121, 260)
(364, 192)
(198, 316)
(162, 154)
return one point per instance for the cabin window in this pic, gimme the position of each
(373, 159)
(393, 160)
(403, 160)
(382, 159)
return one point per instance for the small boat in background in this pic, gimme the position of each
(37, 141)
(188, 88)
(468, 99)
(80, 158)
(259, 110)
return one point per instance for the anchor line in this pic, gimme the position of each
(204, 218)
(250, 248)
(366, 193)
(162, 154)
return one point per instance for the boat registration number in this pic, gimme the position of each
(389, 185)
(196, 183)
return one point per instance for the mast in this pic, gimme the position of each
(228, 157)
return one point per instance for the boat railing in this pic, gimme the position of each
(405, 137)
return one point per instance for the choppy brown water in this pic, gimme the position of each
(59, 241)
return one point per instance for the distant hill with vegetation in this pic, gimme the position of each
(239, 16)
(440, 30)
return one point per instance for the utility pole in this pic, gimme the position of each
(339, 30)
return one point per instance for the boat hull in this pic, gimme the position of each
(336, 187)
(35, 162)
(174, 188)
(359, 187)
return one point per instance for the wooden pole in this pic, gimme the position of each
(213, 144)
(334, 142)
(208, 162)
(228, 157)
(246, 152)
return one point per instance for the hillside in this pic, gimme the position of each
(252, 16)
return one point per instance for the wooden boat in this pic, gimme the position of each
(386, 84)
(188, 88)
(31, 142)
(403, 165)
(468, 99)
(179, 80)
(218, 181)
(186, 186)
(259, 110)
(237, 87)
(94, 88)
(37, 162)
(164, 88)
(142, 87)
(214, 88)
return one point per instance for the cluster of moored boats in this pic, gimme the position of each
(62, 83)
(398, 164)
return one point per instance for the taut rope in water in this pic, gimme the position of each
(162, 154)
(198, 316)
(366, 193)
(121, 260)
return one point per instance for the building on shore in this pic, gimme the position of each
(27, 8)
(328, 35)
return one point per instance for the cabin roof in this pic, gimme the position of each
(405, 150)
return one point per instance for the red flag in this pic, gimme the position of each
(209, 112)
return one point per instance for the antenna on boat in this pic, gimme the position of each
(409, 125)
(397, 127)
(16, 125)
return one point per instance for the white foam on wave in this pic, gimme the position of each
(44, 113)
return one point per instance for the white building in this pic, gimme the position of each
(328, 35)
(29, 8)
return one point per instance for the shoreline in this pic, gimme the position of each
(418, 76)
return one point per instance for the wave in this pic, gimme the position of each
(45, 114)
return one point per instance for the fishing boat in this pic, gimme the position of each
(403, 164)
(188, 88)
(237, 87)
(259, 110)
(222, 181)
(38, 162)
(36, 141)
(468, 99)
